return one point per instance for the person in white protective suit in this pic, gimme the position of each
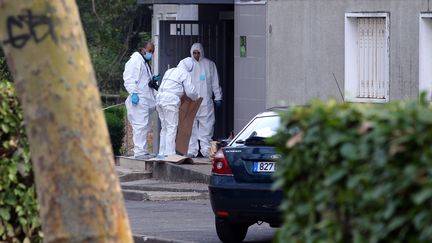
(206, 80)
(175, 83)
(140, 103)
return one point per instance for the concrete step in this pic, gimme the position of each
(152, 239)
(134, 164)
(135, 176)
(159, 180)
(136, 195)
(198, 173)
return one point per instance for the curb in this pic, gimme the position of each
(172, 172)
(152, 239)
(178, 188)
(136, 195)
(133, 176)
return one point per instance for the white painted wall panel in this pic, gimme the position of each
(425, 54)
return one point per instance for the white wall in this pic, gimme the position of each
(306, 41)
(425, 54)
(250, 71)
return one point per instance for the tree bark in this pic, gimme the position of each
(77, 187)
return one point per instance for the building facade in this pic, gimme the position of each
(287, 52)
(377, 51)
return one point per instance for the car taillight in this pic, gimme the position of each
(220, 165)
(222, 213)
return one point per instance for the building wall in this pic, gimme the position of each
(306, 47)
(250, 71)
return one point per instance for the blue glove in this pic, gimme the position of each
(156, 77)
(135, 98)
(218, 103)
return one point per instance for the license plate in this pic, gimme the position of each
(264, 166)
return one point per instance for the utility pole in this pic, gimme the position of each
(77, 187)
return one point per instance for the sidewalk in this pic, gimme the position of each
(156, 180)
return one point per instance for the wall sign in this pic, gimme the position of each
(243, 46)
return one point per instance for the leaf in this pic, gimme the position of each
(422, 196)
(19, 210)
(425, 115)
(335, 138)
(349, 151)
(10, 230)
(5, 128)
(389, 210)
(4, 214)
(420, 219)
(396, 223)
(353, 181)
(22, 221)
(334, 177)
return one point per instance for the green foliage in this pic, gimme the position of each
(19, 212)
(356, 173)
(112, 29)
(4, 71)
(115, 118)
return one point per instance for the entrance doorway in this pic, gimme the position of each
(217, 38)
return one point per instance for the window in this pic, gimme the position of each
(425, 54)
(367, 57)
(265, 126)
(184, 29)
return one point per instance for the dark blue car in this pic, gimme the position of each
(241, 180)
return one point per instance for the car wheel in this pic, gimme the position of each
(230, 232)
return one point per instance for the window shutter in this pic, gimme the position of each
(371, 58)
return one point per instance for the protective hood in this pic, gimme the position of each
(186, 63)
(198, 47)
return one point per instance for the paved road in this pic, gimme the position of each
(184, 220)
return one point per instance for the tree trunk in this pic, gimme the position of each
(77, 187)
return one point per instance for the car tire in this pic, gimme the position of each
(231, 232)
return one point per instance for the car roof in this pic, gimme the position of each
(274, 111)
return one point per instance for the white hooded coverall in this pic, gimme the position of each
(175, 82)
(136, 76)
(206, 80)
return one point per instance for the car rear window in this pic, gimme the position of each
(265, 127)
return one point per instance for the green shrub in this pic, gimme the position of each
(4, 71)
(115, 118)
(356, 173)
(19, 212)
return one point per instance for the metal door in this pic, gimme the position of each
(217, 38)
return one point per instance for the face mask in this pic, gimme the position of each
(148, 56)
